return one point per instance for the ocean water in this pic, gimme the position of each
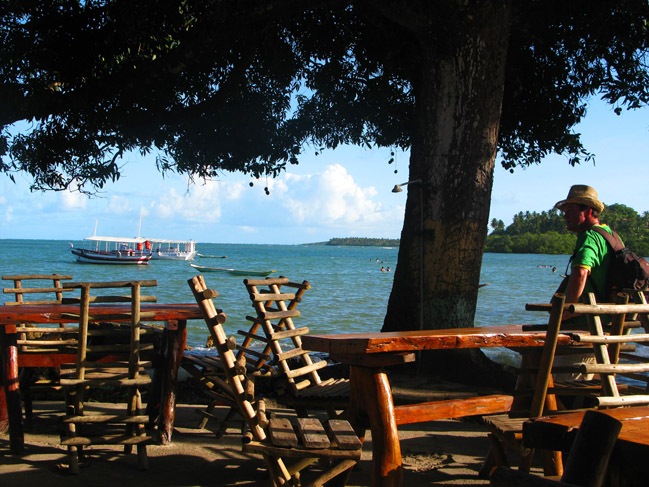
(348, 291)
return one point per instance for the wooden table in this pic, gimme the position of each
(628, 464)
(161, 406)
(369, 353)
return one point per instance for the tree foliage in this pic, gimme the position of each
(545, 232)
(216, 86)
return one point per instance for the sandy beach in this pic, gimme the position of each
(440, 452)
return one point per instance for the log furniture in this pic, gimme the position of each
(108, 355)
(38, 340)
(368, 355)
(272, 348)
(628, 462)
(160, 407)
(288, 446)
(587, 461)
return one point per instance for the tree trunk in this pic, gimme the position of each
(458, 96)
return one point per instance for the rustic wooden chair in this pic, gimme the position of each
(587, 461)
(617, 353)
(275, 309)
(506, 430)
(107, 355)
(37, 342)
(275, 438)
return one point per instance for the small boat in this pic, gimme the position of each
(234, 272)
(113, 250)
(173, 249)
(203, 256)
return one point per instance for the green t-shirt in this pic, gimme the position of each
(593, 253)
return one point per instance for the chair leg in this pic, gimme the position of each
(496, 457)
(142, 459)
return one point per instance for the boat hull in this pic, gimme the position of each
(113, 257)
(162, 255)
(233, 272)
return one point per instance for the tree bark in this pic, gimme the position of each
(458, 96)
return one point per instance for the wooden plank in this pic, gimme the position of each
(343, 434)
(266, 282)
(452, 408)
(312, 433)
(281, 335)
(280, 432)
(452, 338)
(306, 369)
(296, 352)
(256, 297)
(280, 315)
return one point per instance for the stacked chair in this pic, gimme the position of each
(108, 355)
(287, 444)
(41, 347)
(272, 349)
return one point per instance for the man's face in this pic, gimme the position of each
(574, 216)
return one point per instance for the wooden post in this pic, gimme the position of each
(371, 393)
(12, 392)
(591, 451)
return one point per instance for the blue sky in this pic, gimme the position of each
(340, 193)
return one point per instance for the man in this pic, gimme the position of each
(592, 255)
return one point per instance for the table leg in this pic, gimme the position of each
(371, 394)
(14, 415)
(166, 376)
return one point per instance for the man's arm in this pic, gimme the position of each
(576, 285)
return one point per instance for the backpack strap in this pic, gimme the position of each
(613, 239)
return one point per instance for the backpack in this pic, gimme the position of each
(626, 270)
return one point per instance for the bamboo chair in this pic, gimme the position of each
(617, 352)
(107, 356)
(506, 430)
(301, 382)
(38, 343)
(587, 461)
(275, 438)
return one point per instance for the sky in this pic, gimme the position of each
(344, 192)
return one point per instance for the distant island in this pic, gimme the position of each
(360, 242)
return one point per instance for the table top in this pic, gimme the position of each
(512, 336)
(635, 424)
(59, 313)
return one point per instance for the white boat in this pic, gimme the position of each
(113, 250)
(173, 249)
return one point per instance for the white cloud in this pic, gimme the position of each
(201, 205)
(73, 200)
(9, 214)
(119, 205)
(331, 197)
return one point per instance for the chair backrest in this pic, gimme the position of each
(106, 344)
(617, 351)
(275, 308)
(234, 373)
(41, 289)
(19, 290)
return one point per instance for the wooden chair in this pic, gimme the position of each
(275, 309)
(506, 430)
(38, 343)
(275, 438)
(587, 461)
(616, 351)
(107, 355)
(272, 349)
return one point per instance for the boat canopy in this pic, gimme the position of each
(95, 238)
(162, 240)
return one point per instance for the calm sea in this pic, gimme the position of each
(348, 291)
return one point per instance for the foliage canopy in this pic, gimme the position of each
(215, 86)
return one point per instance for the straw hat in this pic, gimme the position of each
(582, 195)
